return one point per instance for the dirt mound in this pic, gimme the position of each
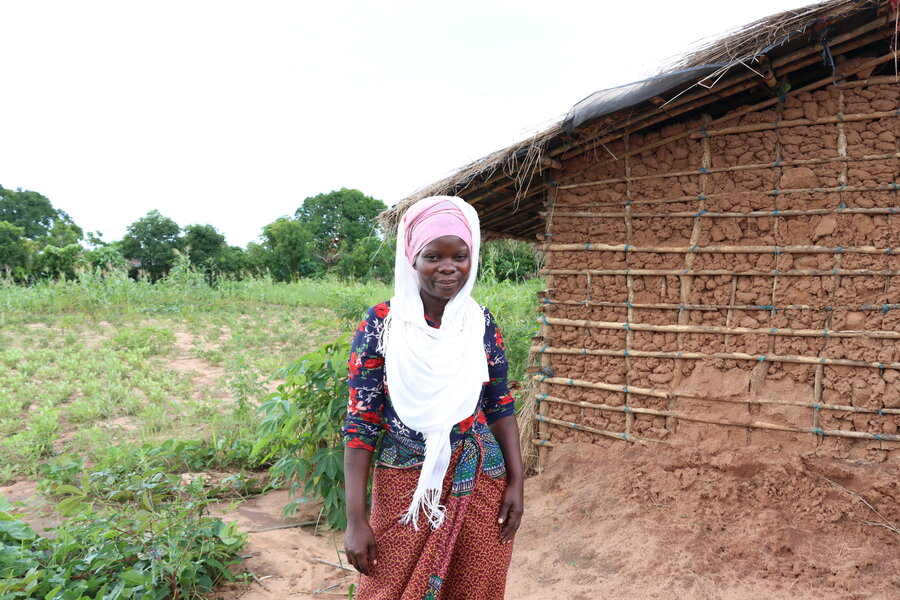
(677, 523)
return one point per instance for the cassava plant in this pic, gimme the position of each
(300, 429)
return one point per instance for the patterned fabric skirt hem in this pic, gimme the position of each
(463, 559)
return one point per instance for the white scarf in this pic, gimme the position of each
(434, 376)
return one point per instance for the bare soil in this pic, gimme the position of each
(636, 522)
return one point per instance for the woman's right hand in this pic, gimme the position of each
(359, 544)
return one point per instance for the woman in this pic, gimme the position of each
(428, 370)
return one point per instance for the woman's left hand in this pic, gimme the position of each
(511, 511)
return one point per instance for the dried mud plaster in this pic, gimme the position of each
(822, 170)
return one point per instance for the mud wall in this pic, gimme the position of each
(737, 286)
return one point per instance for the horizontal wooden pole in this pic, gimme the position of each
(547, 443)
(893, 210)
(609, 387)
(796, 123)
(678, 355)
(757, 401)
(881, 437)
(612, 434)
(722, 330)
(710, 272)
(732, 169)
(599, 247)
(715, 307)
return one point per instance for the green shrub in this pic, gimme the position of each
(301, 429)
(170, 551)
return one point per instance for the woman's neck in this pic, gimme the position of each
(434, 307)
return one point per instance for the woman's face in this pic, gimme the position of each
(443, 267)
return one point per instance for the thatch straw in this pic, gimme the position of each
(519, 162)
(744, 43)
(512, 172)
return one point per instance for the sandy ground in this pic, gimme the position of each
(633, 522)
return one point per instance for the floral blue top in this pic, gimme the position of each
(370, 412)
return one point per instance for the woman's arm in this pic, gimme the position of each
(359, 541)
(499, 410)
(361, 431)
(507, 433)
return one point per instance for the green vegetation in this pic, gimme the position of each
(329, 235)
(142, 379)
(120, 395)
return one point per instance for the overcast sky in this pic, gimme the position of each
(231, 113)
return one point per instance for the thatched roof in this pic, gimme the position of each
(508, 187)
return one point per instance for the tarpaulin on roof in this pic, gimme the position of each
(606, 102)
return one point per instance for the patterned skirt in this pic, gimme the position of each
(462, 559)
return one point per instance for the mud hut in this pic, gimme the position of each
(721, 244)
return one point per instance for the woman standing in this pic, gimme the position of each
(428, 373)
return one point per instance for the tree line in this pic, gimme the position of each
(334, 233)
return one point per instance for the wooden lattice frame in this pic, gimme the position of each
(630, 210)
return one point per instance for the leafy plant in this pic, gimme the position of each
(301, 429)
(129, 553)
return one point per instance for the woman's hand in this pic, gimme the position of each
(511, 511)
(359, 544)
(359, 541)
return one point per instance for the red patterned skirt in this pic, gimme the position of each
(462, 560)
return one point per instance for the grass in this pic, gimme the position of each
(106, 360)
(111, 388)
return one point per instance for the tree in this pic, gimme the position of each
(60, 262)
(151, 243)
(335, 219)
(14, 251)
(372, 258)
(232, 261)
(204, 245)
(107, 256)
(289, 246)
(63, 233)
(33, 212)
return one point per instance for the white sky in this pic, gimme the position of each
(231, 113)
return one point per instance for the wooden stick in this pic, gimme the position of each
(795, 123)
(335, 565)
(754, 272)
(817, 398)
(543, 430)
(629, 279)
(756, 401)
(543, 443)
(618, 436)
(752, 214)
(610, 387)
(805, 360)
(715, 307)
(716, 329)
(292, 526)
(730, 169)
(886, 437)
(694, 249)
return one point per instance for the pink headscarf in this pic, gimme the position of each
(430, 219)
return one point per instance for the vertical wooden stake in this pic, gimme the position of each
(729, 316)
(629, 335)
(687, 281)
(543, 388)
(817, 398)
